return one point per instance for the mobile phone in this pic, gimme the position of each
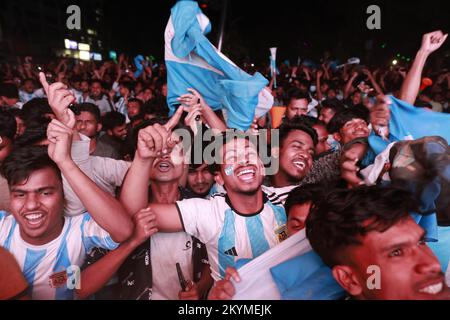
(51, 80)
(181, 279)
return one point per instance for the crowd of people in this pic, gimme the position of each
(93, 176)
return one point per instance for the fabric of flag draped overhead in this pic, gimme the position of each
(193, 62)
(409, 122)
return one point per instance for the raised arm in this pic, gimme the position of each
(373, 81)
(306, 72)
(348, 86)
(104, 208)
(152, 142)
(319, 75)
(59, 99)
(194, 98)
(430, 43)
(167, 217)
(326, 70)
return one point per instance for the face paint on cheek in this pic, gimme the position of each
(229, 170)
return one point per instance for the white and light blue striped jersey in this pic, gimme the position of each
(121, 106)
(44, 265)
(25, 96)
(230, 236)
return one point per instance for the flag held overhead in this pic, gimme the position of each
(193, 62)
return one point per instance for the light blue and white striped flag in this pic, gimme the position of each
(193, 62)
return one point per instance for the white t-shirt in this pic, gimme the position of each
(228, 235)
(41, 265)
(107, 173)
(166, 250)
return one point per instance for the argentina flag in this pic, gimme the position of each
(288, 271)
(409, 123)
(193, 62)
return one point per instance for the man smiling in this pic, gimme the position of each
(297, 147)
(375, 249)
(240, 224)
(45, 243)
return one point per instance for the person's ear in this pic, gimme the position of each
(275, 152)
(219, 178)
(110, 133)
(347, 279)
(337, 136)
(99, 127)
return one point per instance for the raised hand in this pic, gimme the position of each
(192, 98)
(348, 164)
(194, 117)
(60, 138)
(433, 41)
(156, 140)
(380, 115)
(59, 99)
(367, 72)
(319, 73)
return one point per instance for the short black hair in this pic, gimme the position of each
(153, 106)
(134, 134)
(112, 120)
(296, 94)
(16, 112)
(22, 162)
(419, 103)
(304, 194)
(211, 168)
(8, 125)
(340, 119)
(297, 123)
(343, 216)
(139, 101)
(307, 119)
(320, 123)
(35, 132)
(333, 104)
(35, 108)
(76, 78)
(97, 81)
(89, 107)
(127, 84)
(9, 90)
(305, 82)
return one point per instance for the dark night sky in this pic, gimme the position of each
(304, 28)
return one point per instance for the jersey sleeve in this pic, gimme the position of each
(95, 236)
(199, 218)
(5, 227)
